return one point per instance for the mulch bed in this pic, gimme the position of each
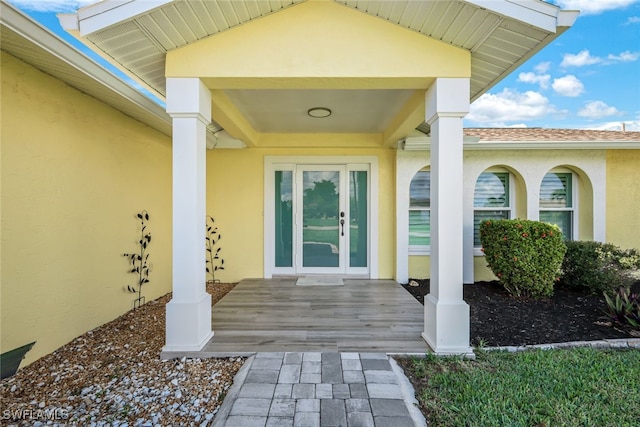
(498, 319)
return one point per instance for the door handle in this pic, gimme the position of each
(342, 223)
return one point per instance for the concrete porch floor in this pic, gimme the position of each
(275, 315)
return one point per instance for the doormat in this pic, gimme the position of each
(319, 281)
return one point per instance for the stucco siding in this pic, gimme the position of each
(623, 198)
(74, 174)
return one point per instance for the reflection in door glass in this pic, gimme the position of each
(320, 215)
(284, 216)
(358, 218)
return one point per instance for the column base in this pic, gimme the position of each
(188, 324)
(446, 327)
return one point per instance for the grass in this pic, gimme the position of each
(578, 387)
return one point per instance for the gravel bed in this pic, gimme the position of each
(113, 375)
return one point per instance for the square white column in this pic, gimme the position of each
(188, 323)
(446, 315)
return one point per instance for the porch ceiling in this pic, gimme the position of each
(136, 36)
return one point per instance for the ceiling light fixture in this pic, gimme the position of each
(319, 112)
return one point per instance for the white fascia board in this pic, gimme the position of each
(566, 18)
(40, 36)
(103, 14)
(533, 12)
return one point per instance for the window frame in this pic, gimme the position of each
(510, 209)
(419, 249)
(573, 210)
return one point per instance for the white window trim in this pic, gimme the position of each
(477, 250)
(574, 199)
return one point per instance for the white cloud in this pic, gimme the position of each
(51, 5)
(633, 20)
(579, 60)
(568, 86)
(594, 7)
(626, 56)
(598, 110)
(542, 67)
(629, 125)
(533, 78)
(584, 57)
(509, 106)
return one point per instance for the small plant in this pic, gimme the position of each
(139, 261)
(599, 267)
(525, 255)
(214, 261)
(482, 344)
(624, 308)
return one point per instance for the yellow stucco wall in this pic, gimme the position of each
(420, 268)
(623, 198)
(74, 173)
(235, 198)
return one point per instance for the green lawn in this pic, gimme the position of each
(578, 387)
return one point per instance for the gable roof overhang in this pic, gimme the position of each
(140, 37)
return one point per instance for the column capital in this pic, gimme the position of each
(188, 98)
(447, 97)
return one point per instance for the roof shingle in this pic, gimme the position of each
(549, 135)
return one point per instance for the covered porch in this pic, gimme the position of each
(291, 95)
(275, 315)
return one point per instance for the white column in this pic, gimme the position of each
(446, 315)
(188, 326)
(532, 184)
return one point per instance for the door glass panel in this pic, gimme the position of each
(284, 219)
(320, 219)
(358, 218)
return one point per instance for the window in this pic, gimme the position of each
(556, 201)
(491, 200)
(420, 212)
(283, 218)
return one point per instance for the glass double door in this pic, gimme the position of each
(331, 219)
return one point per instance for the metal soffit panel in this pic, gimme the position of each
(495, 43)
(141, 44)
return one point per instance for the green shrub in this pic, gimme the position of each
(599, 267)
(525, 255)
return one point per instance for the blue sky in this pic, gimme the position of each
(589, 78)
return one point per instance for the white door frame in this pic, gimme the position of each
(290, 163)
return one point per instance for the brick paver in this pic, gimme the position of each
(319, 389)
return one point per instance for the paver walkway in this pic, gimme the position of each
(320, 389)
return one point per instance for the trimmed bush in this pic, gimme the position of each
(525, 255)
(599, 267)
